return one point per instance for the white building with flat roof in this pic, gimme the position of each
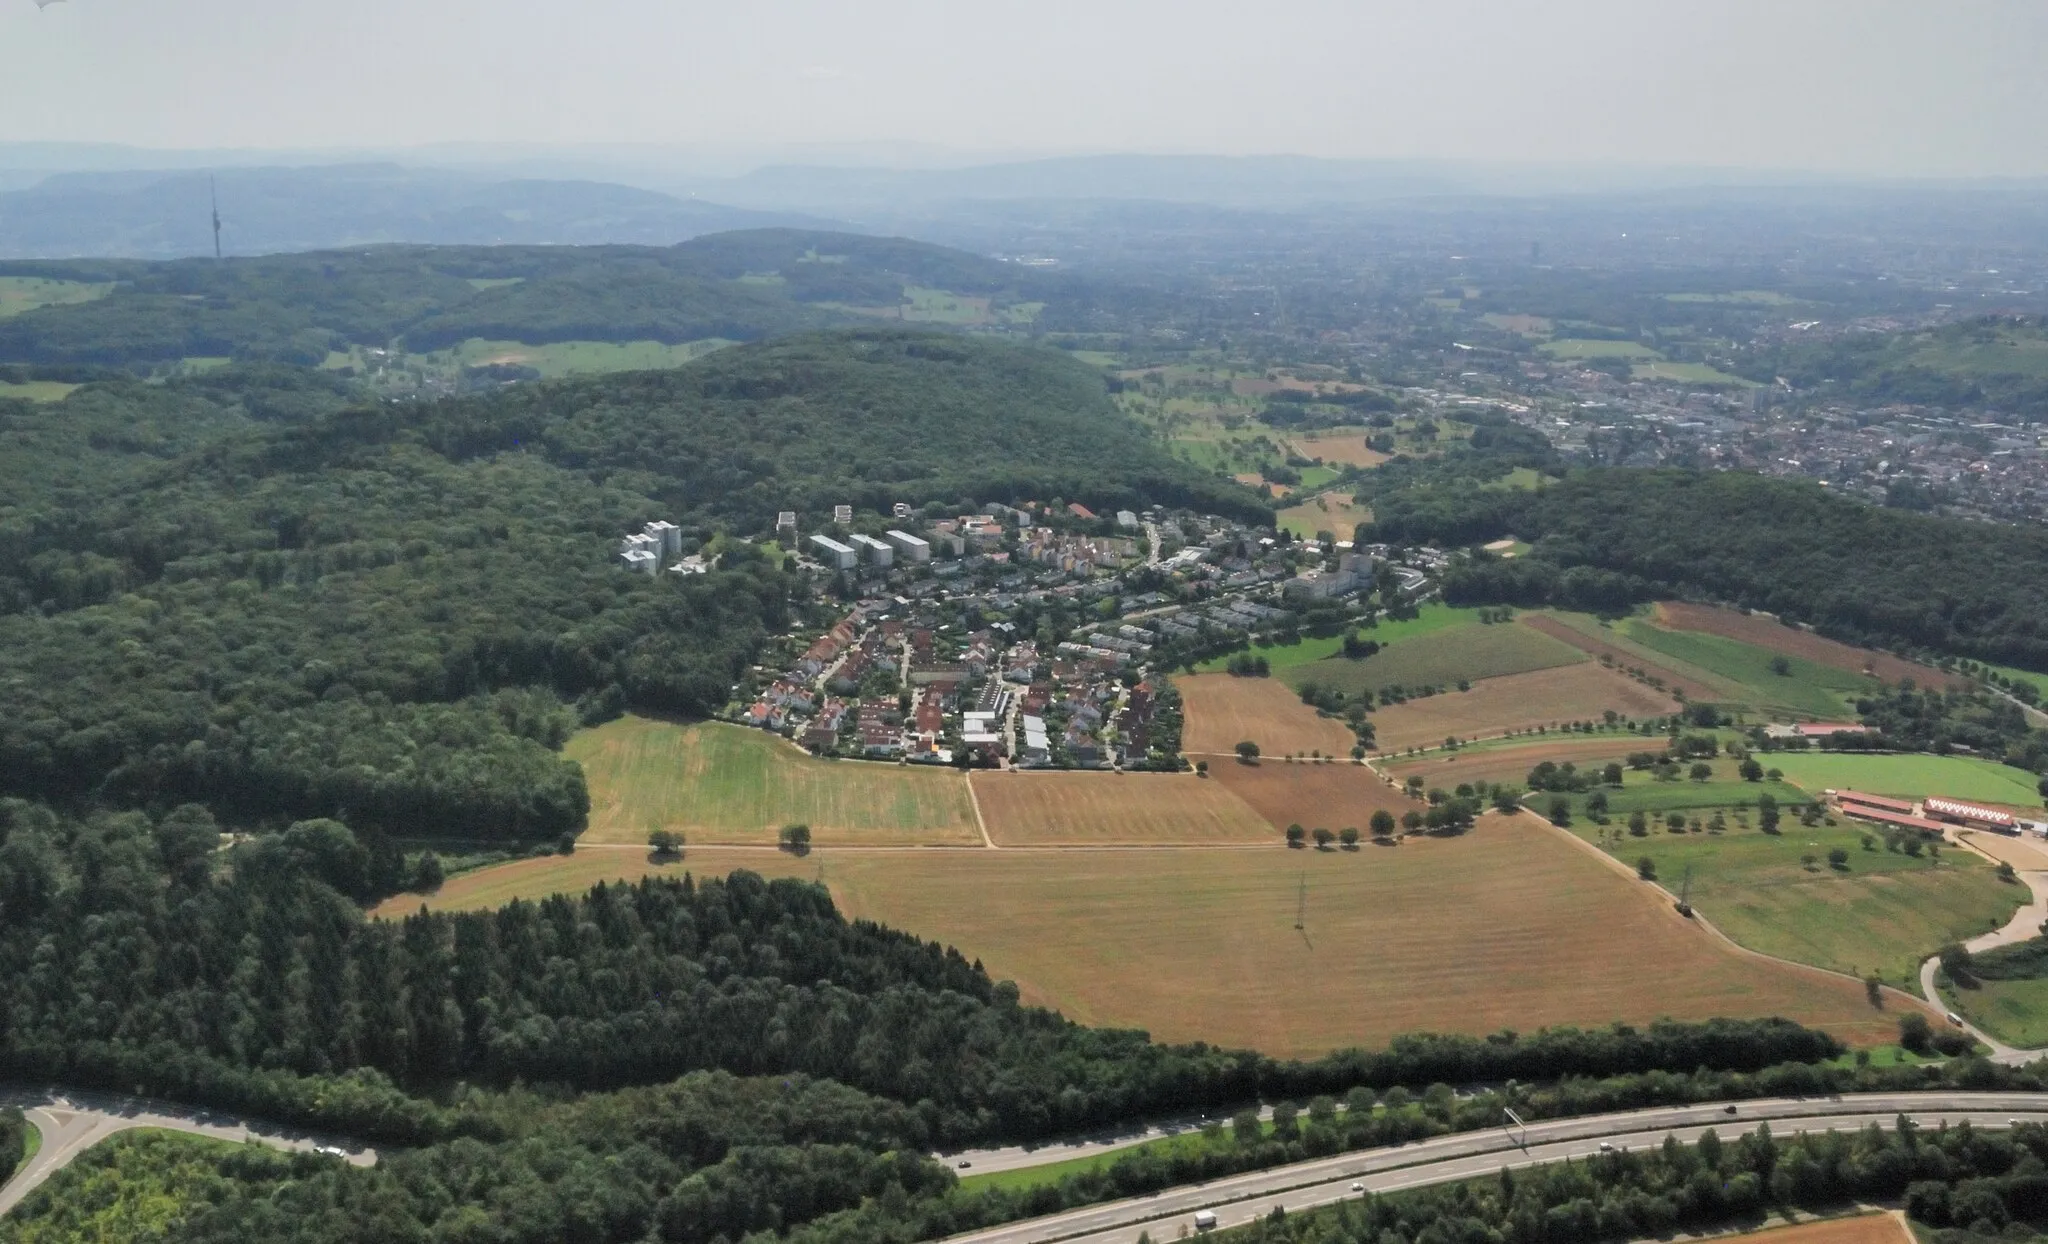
(834, 554)
(842, 514)
(667, 537)
(912, 548)
(878, 551)
(641, 560)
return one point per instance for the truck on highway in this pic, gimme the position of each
(1205, 1220)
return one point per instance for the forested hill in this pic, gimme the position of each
(306, 308)
(866, 418)
(1607, 538)
(242, 591)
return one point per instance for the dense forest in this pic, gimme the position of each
(1607, 538)
(244, 591)
(299, 308)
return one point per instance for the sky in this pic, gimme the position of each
(1884, 87)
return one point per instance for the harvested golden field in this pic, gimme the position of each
(1770, 633)
(573, 874)
(1334, 796)
(1114, 809)
(1518, 702)
(1339, 449)
(727, 784)
(1691, 688)
(1512, 925)
(1862, 1229)
(1512, 764)
(1223, 710)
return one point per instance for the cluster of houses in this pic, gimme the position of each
(994, 700)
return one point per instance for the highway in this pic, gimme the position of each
(1325, 1181)
(72, 1123)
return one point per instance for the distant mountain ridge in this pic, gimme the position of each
(155, 214)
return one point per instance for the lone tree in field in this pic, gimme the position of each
(1349, 836)
(1638, 824)
(796, 839)
(1201, 768)
(1295, 835)
(1248, 753)
(1324, 838)
(1382, 824)
(666, 843)
(1751, 770)
(1646, 868)
(1560, 811)
(1700, 771)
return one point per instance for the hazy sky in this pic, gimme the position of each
(1888, 86)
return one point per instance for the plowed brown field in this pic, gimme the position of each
(1769, 633)
(1114, 809)
(1332, 796)
(1222, 711)
(1692, 689)
(1517, 702)
(1864, 1229)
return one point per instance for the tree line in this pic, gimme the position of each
(1607, 538)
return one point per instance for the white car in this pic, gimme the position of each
(1358, 1187)
(1606, 1147)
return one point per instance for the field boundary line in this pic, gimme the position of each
(1712, 930)
(980, 821)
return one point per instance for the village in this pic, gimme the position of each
(1029, 636)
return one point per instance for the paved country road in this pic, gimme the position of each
(1325, 1181)
(72, 1123)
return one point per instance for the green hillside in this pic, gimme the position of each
(240, 589)
(303, 308)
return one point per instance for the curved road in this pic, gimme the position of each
(1324, 1181)
(2025, 925)
(72, 1123)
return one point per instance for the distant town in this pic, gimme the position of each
(1032, 635)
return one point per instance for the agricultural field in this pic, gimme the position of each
(1585, 633)
(1442, 659)
(36, 391)
(1428, 620)
(2015, 1011)
(1549, 697)
(1345, 447)
(1114, 809)
(1767, 632)
(1641, 791)
(1806, 688)
(1861, 1229)
(573, 874)
(1334, 796)
(1222, 710)
(718, 783)
(1909, 777)
(1593, 348)
(26, 293)
(1335, 512)
(1883, 911)
(1202, 944)
(1690, 373)
(1488, 765)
